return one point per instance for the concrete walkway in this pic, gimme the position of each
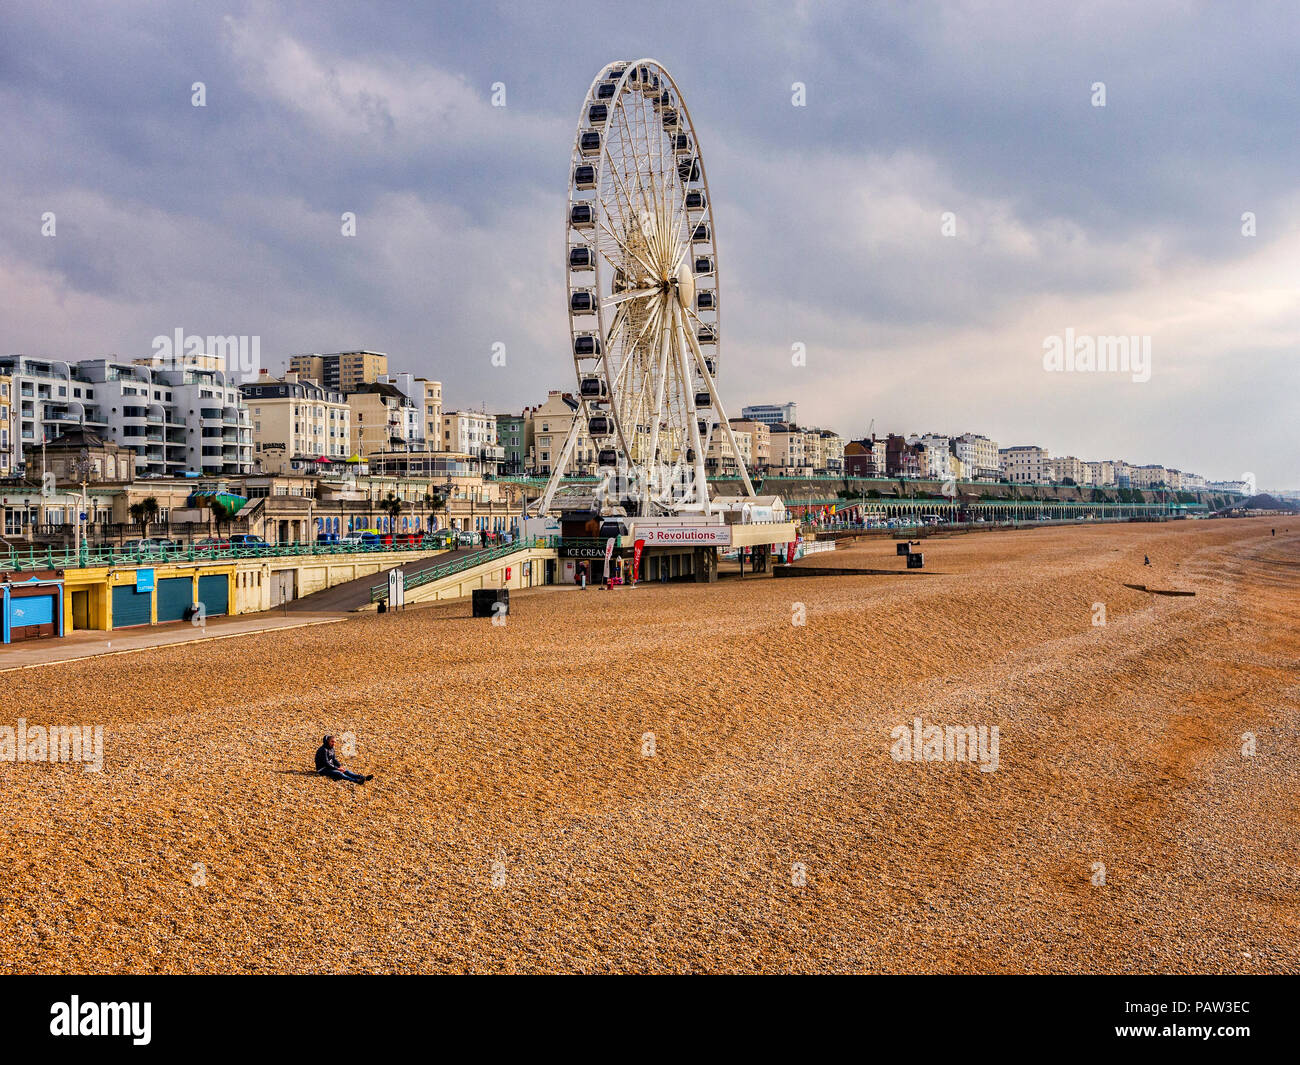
(355, 595)
(91, 643)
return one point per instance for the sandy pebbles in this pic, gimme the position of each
(679, 778)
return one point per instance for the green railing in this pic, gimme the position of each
(379, 592)
(21, 559)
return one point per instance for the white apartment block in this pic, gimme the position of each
(1149, 476)
(473, 433)
(760, 441)
(547, 426)
(979, 457)
(814, 451)
(719, 458)
(414, 419)
(1024, 464)
(432, 418)
(1101, 473)
(771, 413)
(182, 416)
(1067, 466)
(787, 443)
(935, 455)
(832, 452)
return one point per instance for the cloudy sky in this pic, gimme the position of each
(1123, 219)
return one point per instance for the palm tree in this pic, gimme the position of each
(392, 506)
(440, 497)
(137, 512)
(150, 508)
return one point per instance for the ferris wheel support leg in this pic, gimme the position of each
(722, 414)
(561, 464)
(664, 339)
(701, 481)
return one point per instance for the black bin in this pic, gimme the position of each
(903, 549)
(485, 600)
(915, 561)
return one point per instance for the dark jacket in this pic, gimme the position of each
(326, 759)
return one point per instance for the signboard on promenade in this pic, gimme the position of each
(396, 588)
(685, 535)
(584, 550)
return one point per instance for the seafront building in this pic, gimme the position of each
(342, 371)
(1025, 464)
(341, 428)
(296, 423)
(771, 413)
(178, 416)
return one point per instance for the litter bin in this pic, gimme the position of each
(915, 561)
(904, 548)
(485, 600)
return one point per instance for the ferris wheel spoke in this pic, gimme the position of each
(631, 143)
(633, 294)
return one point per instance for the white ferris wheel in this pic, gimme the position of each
(644, 301)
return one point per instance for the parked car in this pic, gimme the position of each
(467, 538)
(151, 543)
(247, 540)
(363, 538)
(328, 538)
(212, 543)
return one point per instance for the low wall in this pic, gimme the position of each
(488, 575)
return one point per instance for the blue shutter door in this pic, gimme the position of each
(214, 594)
(174, 598)
(31, 610)
(131, 607)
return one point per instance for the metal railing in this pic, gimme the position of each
(458, 565)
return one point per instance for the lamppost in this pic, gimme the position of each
(83, 473)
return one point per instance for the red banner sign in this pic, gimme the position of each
(637, 548)
(790, 549)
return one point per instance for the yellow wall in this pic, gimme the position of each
(249, 588)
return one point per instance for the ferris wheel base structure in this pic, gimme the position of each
(641, 260)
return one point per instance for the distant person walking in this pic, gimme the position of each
(327, 764)
(482, 538)
(1146, 560)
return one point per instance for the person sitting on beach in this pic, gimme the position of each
(327, 764)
